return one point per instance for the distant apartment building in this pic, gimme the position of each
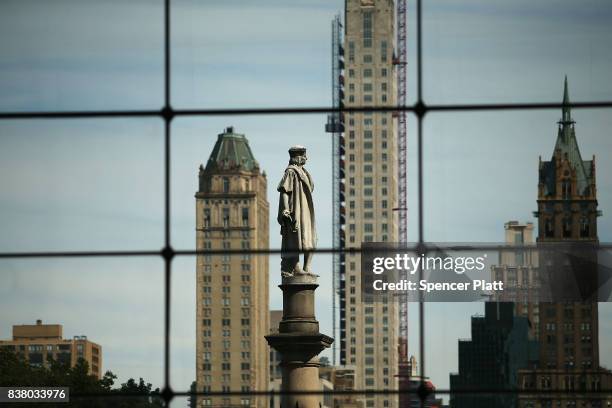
(276, 372)
(341, 379)
(369, 331)
(327, 399)
(518, 269)
(38, 343)
(411, 381)
(232, 296)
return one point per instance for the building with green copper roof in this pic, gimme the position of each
(231, 152)
(232, 213)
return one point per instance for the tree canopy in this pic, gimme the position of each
(86, 390)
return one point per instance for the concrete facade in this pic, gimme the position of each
(232, 314)
(39, 342)
(369, 332)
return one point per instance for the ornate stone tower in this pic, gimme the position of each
(232, 314)
(567, 238)
(567, 194)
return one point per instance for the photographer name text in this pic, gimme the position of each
(425, 286)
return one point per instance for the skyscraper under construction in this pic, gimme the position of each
(367, 193)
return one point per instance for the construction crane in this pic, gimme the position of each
(335, 126)
(401, 62)
(402, 209)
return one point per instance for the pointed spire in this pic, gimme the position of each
(566, 112)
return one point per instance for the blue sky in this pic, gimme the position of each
(93, 184)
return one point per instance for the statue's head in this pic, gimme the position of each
(297, 155)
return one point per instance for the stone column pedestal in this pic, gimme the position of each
(299, 342)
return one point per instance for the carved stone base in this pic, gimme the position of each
(300, 366)
(299, 341)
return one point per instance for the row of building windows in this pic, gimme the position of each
(244, 301)
(227, 378)
(368, 121)
(567, 227)
(367, 227)
(226, 221)
(227, 355)
(227, 289)
(369, 192)
(568, 326)
(368, 157)
(367, 238)
(226, 366)
(368, 72)
(207, 402)
(246, 312)
(226, 245)
(383, 299)
(228, 234)
(37, 348)
(570, 339)
(225, 202)
(368, 181)
(367, 146)
(369, 204)
(370, 361)
(368, 168)
(570, 364)
(368, 117)
(569, 383)
(368, 87)
(569, 311)
(245, 344)
(227, 278)
(226, 268)
(227, 333)
(239, 184)
(368, 215)
(368, 98)
(226, 322)
(224, 258)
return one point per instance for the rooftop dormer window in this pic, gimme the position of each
(566, 189)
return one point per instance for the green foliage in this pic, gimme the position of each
(16, 372)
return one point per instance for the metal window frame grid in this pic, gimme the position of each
(167, 113)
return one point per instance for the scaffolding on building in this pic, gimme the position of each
(402, 209)
(335, 126)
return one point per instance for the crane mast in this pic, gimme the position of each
(401, 62)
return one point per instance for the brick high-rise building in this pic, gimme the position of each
(369, 332)
(567, 213)
(39, 342)
(232, 290)
(568, 330)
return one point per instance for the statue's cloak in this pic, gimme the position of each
(298, 185)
